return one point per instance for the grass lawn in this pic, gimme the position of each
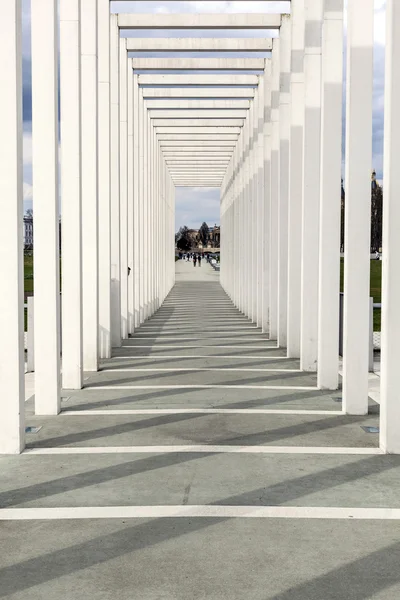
(375, 287)
(28, 273)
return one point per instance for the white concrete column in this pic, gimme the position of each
(104, 231)
(140, 206)
(390, 408)
(12, 420)
(296, 179)
(311, 185)
(146, 257)
(242, 213)
(130, 158)
(136, 199)
(44, 24)
(123, 183)
(260, 198)
(151, 216)
(284, 176)
(71, 191)
(253, 210)
(115, 184)
(273, 224)
(246, 218)
(90, 261)
(360, 40)
(267, 195)
(331, 165)
(236, 230)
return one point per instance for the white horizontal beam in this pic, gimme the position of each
(191, 44)
(210, 154)
(203, 64)
(199, 21)
(192, 168)
(197, 114)
(173, 104)
(224, 93)
(228, 137)
(197, 161)
(197, 182)
(198, 79)
(191, 144)
(198, 130)
(193, 122)
(198, 164)
(196, 148)
(193, 173)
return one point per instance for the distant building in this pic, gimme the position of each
(28, 232)
(194, 237)
(214, 237)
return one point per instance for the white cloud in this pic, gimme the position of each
(28, 192)
(195, 205)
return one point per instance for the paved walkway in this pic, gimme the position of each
(200, 463)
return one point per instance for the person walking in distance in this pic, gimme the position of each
(194, 260)
(199, 259)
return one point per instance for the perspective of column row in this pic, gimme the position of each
(266, 130)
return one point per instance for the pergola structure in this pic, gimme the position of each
(267, 131)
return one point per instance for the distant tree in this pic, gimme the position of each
(183, 240)
(376, 214)
(203, 233)
(342, 200)
(29, 212)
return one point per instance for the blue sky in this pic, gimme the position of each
(193, 206)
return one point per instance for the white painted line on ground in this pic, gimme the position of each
(200, 411)
(179, 369)
(203, 386)
(158, 346)
(180, 356)
(199, 511)
(203, 449)
(160, 339)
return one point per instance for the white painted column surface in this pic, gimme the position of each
(130, 163)
(45, 138)
(71, 251)
(260, 199)
(150, 214)
(104, 232)
(390, 407)
(115, 184)
(284, 176)
(331, 164)
(296, 179)
(273, 224)
(267, 130)
(242, 212)
(360, 40)
(123, 184)
(12, 420)
(90, 262)
(311, 185)
(253, 211)
(141, 207)
(136, 176)
(146, 274)
(246, 208)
